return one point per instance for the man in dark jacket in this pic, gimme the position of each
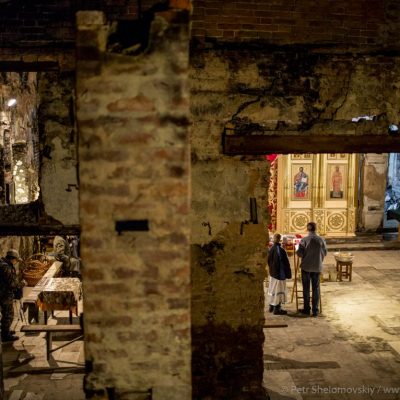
(312, 250)
(279, 271)
(8, 284)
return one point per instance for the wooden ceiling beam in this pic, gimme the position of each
(33, 230)
(299, 143)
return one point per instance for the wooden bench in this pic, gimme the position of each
(50, 329)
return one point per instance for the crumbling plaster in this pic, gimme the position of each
(59, 168)
(228, 252)
(259, 92)
(296, 90)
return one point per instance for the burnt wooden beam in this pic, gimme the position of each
(32, 230)
(22, 66)
(78, 369)
(305, 143)
(270, 326)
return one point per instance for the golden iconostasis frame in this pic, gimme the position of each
(334, 213)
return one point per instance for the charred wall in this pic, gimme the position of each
(256, 89)
(59, 148)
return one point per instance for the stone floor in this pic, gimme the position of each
(28, 374)
(352, 350)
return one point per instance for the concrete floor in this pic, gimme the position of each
(351, 351)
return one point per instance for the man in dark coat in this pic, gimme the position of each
(312, 250)
(8, 284)
(279, 271)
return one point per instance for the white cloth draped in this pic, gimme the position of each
(277, 292)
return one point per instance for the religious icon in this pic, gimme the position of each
(300, 182)
(336, 181)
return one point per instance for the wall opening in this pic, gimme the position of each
(19, 138)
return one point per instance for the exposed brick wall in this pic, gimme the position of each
(40, 35)
(133, 117)
(356, 22)
(45, 27)
(53, 21)
(35, 22)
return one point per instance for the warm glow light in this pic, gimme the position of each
(11, 102)
(393, 128)
(21, 187)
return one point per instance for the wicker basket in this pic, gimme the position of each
(35, 267)
(38, 257)
(32, 277)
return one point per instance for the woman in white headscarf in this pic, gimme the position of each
(279, 271)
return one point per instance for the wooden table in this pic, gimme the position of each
(30, 301)
(60, 294)
(52, 293)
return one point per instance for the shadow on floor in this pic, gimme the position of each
(277, 363)
(277, 396)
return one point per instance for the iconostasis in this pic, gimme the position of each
(316, 187)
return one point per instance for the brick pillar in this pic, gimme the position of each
(133, 117)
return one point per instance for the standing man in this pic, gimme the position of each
(8, 284)
(312, 250)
